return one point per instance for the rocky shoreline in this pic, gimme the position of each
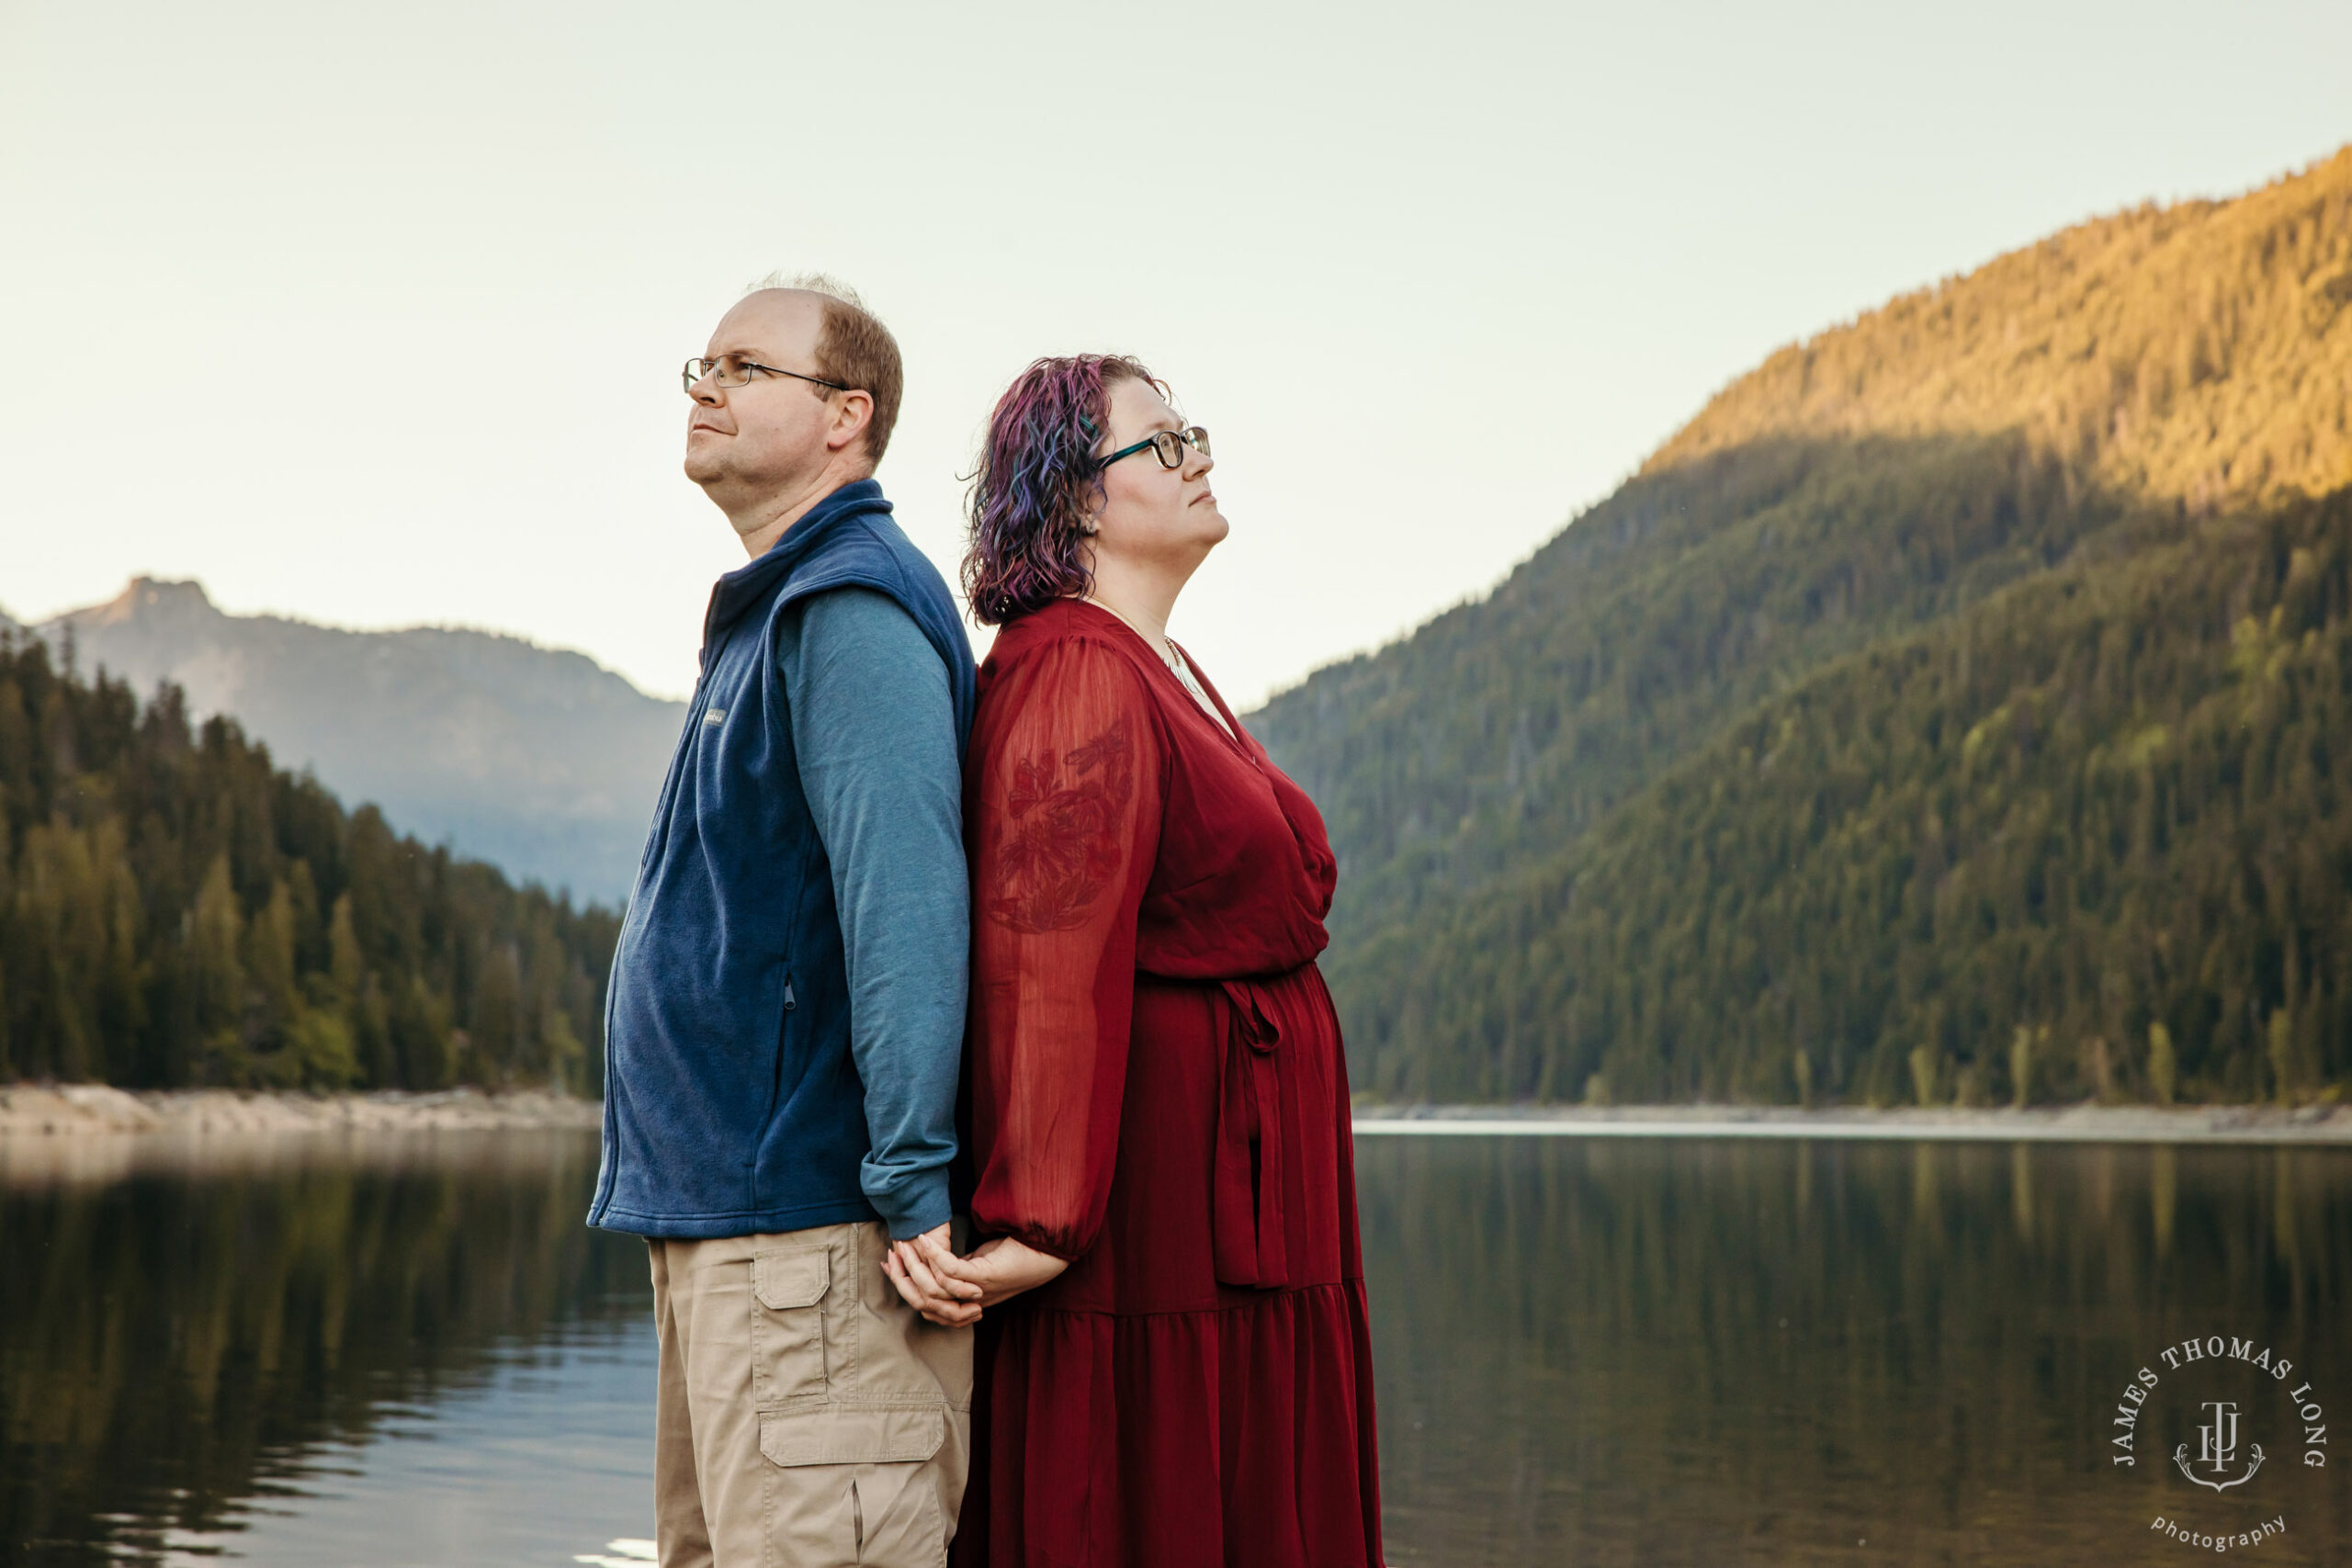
(40, 1111)
(35, 1112)
(2073, 1123)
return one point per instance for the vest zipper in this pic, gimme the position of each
(775, 1080)
(775, 1095)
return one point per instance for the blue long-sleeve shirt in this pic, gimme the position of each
(873, 728)
(783, 1024)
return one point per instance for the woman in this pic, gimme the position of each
(1158, 1106)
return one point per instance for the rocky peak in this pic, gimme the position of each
(149, 599)
(533, 758)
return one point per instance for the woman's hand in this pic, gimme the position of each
(1003, 1268)
(953, 1291)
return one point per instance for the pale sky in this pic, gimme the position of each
(372, 314)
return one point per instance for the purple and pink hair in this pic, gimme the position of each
(1036, 480)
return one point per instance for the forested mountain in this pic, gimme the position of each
(174, 909)
(536, 759)
(1948, 713)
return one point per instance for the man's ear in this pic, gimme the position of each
(851, 416)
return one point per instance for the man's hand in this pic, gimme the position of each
(948, 1302)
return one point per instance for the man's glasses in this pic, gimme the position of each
(1168, 445)
(734, 370)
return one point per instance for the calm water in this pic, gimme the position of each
(1631, 1351)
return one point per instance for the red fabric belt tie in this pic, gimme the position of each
(1246, 1214)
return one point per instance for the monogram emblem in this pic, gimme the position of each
(2217, 1449)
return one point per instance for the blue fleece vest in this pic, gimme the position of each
(732, 1106)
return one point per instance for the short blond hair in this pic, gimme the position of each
(855, 348)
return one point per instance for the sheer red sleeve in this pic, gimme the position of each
(1064, 798)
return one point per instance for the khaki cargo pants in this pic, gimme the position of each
(807, 1416)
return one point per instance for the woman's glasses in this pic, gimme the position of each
(1168, 445)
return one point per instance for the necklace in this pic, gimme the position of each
(1168, 654)
(1178, 665)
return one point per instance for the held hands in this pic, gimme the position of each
(952, 1290)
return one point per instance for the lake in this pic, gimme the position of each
(1595, 1351)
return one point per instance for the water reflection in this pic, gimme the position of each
(220, 1324)
(1624, 1351)
(1700, 1352)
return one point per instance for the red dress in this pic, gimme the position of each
(1158, 1095)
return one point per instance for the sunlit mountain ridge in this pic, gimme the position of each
(1950, 711)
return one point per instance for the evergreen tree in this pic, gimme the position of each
(175, 911)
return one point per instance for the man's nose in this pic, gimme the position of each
(707, 392)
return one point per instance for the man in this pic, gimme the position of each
(784, 1020)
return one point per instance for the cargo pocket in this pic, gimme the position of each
(850, 1436)
(788, 1368)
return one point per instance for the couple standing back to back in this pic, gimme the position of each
(1116, 1317)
